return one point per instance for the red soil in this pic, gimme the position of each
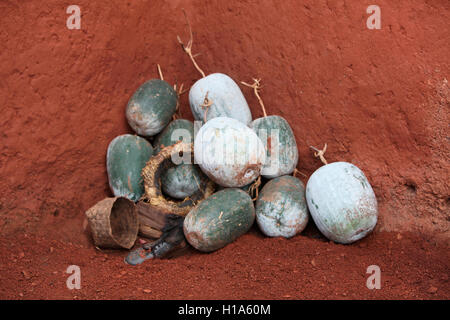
(379, 98)
(254, 267)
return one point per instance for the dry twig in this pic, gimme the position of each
(188, 48)
(179, 92)
(256, 86)
(320, 153)
(160, 72)
(254, 189)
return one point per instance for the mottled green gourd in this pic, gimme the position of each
(281, 147)
(151, 107)
(219, 220)
(278, 140)
(181, 181)
(179, 129)
(125, 158)
(281, 208)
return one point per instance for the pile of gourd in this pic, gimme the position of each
(234, 152)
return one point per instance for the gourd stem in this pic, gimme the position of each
(188, 48)
(160, 72)
(206, 104)
(179, 92)
(256, 86)
(254, 189)
(320, 153)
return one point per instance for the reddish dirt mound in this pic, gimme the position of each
(379, 98)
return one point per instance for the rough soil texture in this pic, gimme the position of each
(379, 98)
(253, 267)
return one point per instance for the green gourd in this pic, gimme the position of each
(219, 220)
(176, 130)
(182, 181)
(281, 208)
(151, 107)
(126, 156)
(278, 138)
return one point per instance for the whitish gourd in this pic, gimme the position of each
(278, 138)
(215, 95)
(341, 202)
(225, 98)
(151, 107)
(219, 220)
(125, 158)
(281, 209)
(229, 152)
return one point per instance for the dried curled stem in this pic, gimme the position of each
(320, 153)
(179, 92)
(253, 191)
(206, 104)
(256, 86)
(188, 48)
